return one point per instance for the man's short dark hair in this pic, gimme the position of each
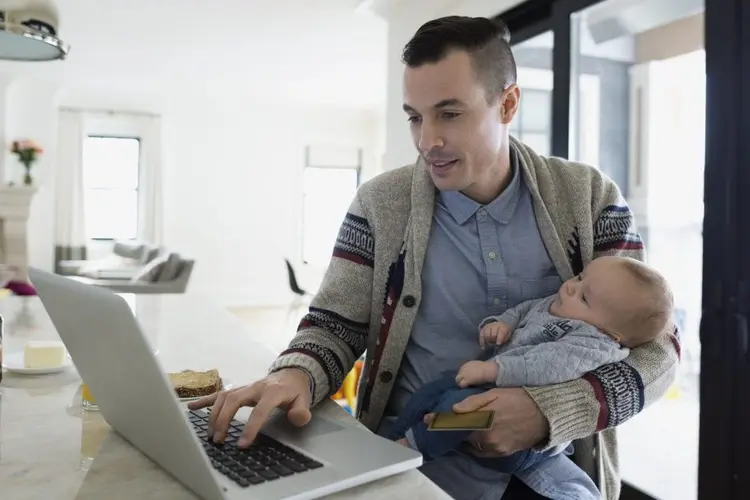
(486, 40)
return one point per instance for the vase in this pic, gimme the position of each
(28, 180)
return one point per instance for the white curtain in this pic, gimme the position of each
(151, 197)
(70, 224)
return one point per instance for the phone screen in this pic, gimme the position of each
(475, 421)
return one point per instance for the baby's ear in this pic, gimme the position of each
(617, 338)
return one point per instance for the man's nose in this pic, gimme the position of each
(570, 287)
(429, 139)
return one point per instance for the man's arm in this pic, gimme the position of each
(613, 393)
(333, 335)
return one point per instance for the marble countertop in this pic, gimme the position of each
(50, 448)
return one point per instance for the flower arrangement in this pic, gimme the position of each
(27, 152)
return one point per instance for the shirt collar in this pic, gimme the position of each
(502, 208)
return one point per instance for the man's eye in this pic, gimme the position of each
(450, 116)
(413, 119)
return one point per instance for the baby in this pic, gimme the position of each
(594, 319)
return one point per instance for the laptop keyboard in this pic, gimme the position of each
(265, 460)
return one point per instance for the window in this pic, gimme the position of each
(328, 191)
(110, 180)
(532, 122)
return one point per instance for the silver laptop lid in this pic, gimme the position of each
(131, 389)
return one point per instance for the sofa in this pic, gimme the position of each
(169, 272)
(127, 258)
(133, 267)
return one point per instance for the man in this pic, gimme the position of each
(479, 224)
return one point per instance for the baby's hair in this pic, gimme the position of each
(657, 304)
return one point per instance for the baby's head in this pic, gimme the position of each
(624, 298)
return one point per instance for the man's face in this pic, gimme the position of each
(455, 129)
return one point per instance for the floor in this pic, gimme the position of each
(658, 448)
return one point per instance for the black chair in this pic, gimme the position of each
(293, 284)
(300, 294)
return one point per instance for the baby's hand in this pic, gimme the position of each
(476, 373)
(496, 332)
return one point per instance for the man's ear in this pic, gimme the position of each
(509, 102)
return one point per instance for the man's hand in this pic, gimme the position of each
(518, 424)
(496, 332)
(476, 373)
(288, 389)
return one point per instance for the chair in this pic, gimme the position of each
(300, 294)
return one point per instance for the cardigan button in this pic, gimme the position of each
(386, 377)
(409, 301)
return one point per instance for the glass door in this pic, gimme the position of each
(656, 93)
(637, 101)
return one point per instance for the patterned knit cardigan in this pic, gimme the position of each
(369, 297)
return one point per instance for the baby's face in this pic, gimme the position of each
(599, 296)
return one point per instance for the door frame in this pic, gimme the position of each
(724, 470)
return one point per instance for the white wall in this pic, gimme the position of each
(671, 40)
(235, 189)
(232, 178)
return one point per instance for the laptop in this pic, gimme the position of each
(137, 400)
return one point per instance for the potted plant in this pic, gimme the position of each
(27, 151)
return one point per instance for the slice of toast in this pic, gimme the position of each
(192, 384)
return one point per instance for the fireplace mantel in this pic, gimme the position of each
(15, 203)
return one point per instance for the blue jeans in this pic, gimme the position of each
(440, 396)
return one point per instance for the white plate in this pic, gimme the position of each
(14, 364)
(225, 382)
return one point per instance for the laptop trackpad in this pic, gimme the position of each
(315, 428)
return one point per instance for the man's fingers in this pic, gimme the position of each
(484, 446)
(474, 402)
(203, 402)
(268, 402)
(298, 411)
(479, 444)
(478, 439)
(231, 402)
(428, 418)
(215, 410)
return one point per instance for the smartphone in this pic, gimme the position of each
(475, 421)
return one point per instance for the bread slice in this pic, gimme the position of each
(192, 384)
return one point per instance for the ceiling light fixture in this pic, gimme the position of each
(26, 36)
